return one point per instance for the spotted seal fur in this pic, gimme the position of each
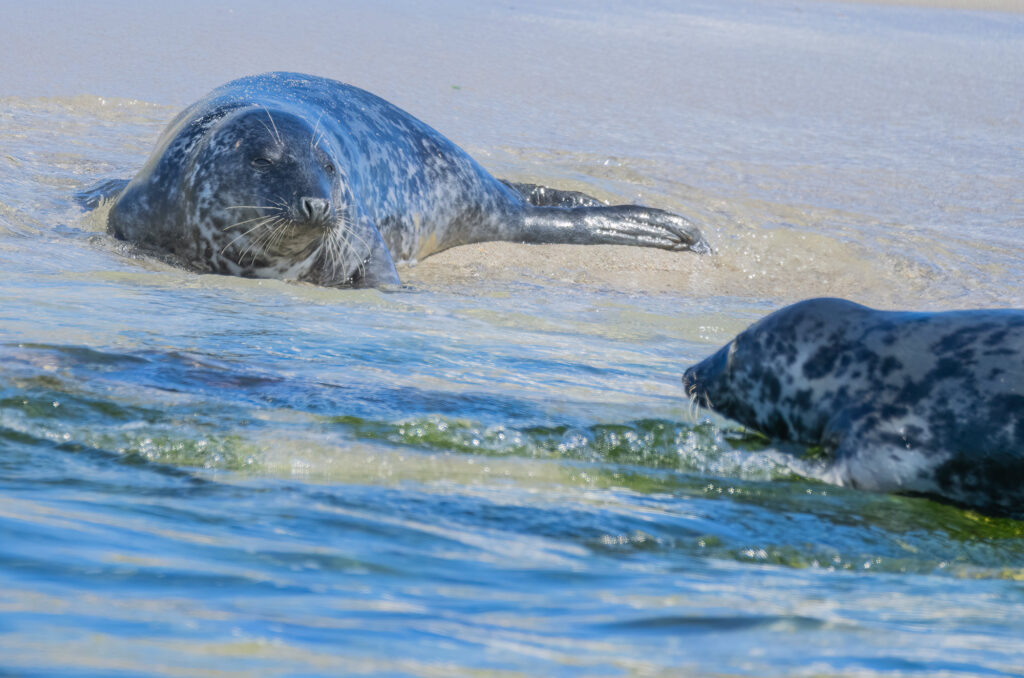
(929, 403)
(293, 176)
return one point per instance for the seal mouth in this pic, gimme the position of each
(264, 233)
(305, 239)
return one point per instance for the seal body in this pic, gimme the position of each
(294, 176)
(929, 403)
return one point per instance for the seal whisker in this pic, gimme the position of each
(278, 234)
(269, 131)
(245, 233)
(347, 230)
(261, 239)
(247, 221)
(331, 249)
(343, 243)
(249, 245)
(338, 241)
(277, 134)
(348, 234)
(258, 242)
(276, 231)
(314, 140)
(328, 254)
(323, 253)
(266, 239)
(278, 215)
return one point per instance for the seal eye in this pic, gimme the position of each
(329, 168)
(262, 163)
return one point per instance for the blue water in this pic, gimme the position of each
(261, 504)
(494, 470)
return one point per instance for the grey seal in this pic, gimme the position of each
(920, 403)
(292, 176)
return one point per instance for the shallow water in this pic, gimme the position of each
(494, 470)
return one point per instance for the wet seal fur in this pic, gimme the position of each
(921, 403)
(293, 176)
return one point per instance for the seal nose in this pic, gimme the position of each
(316, 210)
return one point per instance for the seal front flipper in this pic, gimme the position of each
(378, 268)
(355, 255)
(880, 461)
(94, 196)
(612, 225)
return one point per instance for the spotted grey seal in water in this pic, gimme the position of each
(929, 403)
(292, 176)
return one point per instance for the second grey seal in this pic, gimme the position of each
(926, 403)
(293, 176)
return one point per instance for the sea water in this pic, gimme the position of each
(494, 470)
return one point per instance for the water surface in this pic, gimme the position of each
(494, 471)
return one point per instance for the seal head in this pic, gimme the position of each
(257, 193)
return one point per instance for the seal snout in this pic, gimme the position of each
(690, 380)
(696, 391)
(694, 385)
(315, 210)
(703, 382)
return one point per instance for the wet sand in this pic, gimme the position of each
(815, 144)
(612, 266)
